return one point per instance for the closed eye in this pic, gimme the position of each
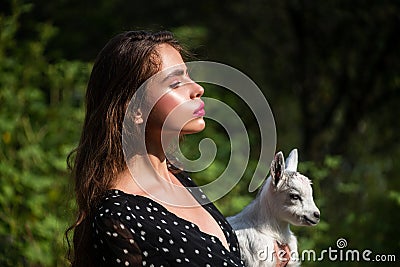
(175, 85)
(294, 197)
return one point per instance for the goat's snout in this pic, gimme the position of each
(317, 214)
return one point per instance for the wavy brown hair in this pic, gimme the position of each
(122, 66)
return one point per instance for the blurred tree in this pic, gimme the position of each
(38, 119)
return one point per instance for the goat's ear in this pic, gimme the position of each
(292, 161)
(277, 168)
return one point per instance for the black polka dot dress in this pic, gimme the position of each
(132, 230)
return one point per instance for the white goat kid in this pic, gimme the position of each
(263, 226)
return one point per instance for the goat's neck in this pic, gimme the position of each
(267, 220)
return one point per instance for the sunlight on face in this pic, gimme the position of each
(178, 107)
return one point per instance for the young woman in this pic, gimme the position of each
(134, 208)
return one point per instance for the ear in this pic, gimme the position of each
(277, 168)
(292, 161)
(138, 119)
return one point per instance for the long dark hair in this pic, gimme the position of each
(122, 66)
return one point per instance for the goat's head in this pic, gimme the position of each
(291, 192)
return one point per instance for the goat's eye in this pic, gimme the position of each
(294, 197)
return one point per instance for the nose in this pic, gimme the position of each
(196, 90)
(317, 214)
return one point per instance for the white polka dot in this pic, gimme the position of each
(145, 253)
(171, 241)
(167, 231)
(117, 203)
(118, 260)
(176, 223)
(181, 250)
(115, 234)
(128, 218)
(131, 241)
(209, 255)
(178, 260)
(126, 263)
(125, 250)
(160, 239)
(137, 207)
(139, 224)
(122, 226)
(196, 251)
(165, 249)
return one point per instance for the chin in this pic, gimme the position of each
(194, 126)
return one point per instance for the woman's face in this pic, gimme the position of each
(178, 107)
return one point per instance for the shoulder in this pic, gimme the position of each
(125, 207)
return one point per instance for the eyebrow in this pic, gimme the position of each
(174, 73)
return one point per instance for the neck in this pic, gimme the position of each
(267, 220)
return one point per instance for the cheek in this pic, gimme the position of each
(172, 111)
(164, 107)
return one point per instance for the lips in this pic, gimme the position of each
(200, 110)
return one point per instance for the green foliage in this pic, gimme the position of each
(40, 114)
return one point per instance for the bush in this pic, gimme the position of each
(40, 116)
